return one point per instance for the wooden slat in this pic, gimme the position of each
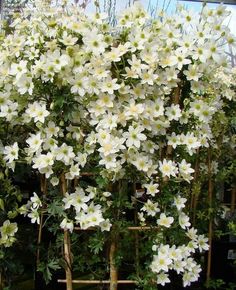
(97, 281)
(138, 228)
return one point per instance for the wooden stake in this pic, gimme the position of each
(67, 250)
(113, 268)
(43, 188)
(195, 197)
(1, 281)
(39, 239)
(233, 199)
(136, 236)
(176, 94)
(210, 227)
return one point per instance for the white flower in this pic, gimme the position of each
(134, 110)
(109, 121)
(67, 224)
(94, 42)
(36, 202)
(111, 146)
(201, 53)
(193, 73)
(179, 266)
(168, 168)
(106, 100)
(185, 170)
(25, 85)
(136, 64)
(134, 136)
(109, 161)
(151, 208)
(206, 112)
(18, 69)
(202, 243)
(165, 221)
(105, 225)
(37, 111)
(34, 142)
(179, 202)
(65, 154)
(148, 77)
(142, 163)
(92, 218)
(109, 86)
(68, 39)
(191, 141)
(160, 263)
(92, 191)
(9, 110)
(8, 229)
(54, 181)
(192, 233)
(81, 158)
(152, 188)
(79, 200)
(92, 95)
(175, 253)
(11, 152)
(173, 112)
(191, 275)
(43, 160)
(34, 216)
(173, 140)
(51, 129)
(74, 172)
(79, 85)
(163, 278)
(184, 220)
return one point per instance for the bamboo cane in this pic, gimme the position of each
(195, 197)
(67, 251)
(43, 188)
(113, 268)
(233, 199)
(176, 94)
(1, 281)
(169, 149)
(39, 240)
(210, 227)
(137, 260)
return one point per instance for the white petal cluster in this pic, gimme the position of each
(8, 231)
(115, 99)
(87, 213)
(178, 258)
(120, 83)
(32, 208)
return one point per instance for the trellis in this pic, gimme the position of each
(113, 269)
(69, 281)
(113, 282)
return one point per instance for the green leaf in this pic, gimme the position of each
(54, 264)
(47, 268)
(1, 204)
(55, 208)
